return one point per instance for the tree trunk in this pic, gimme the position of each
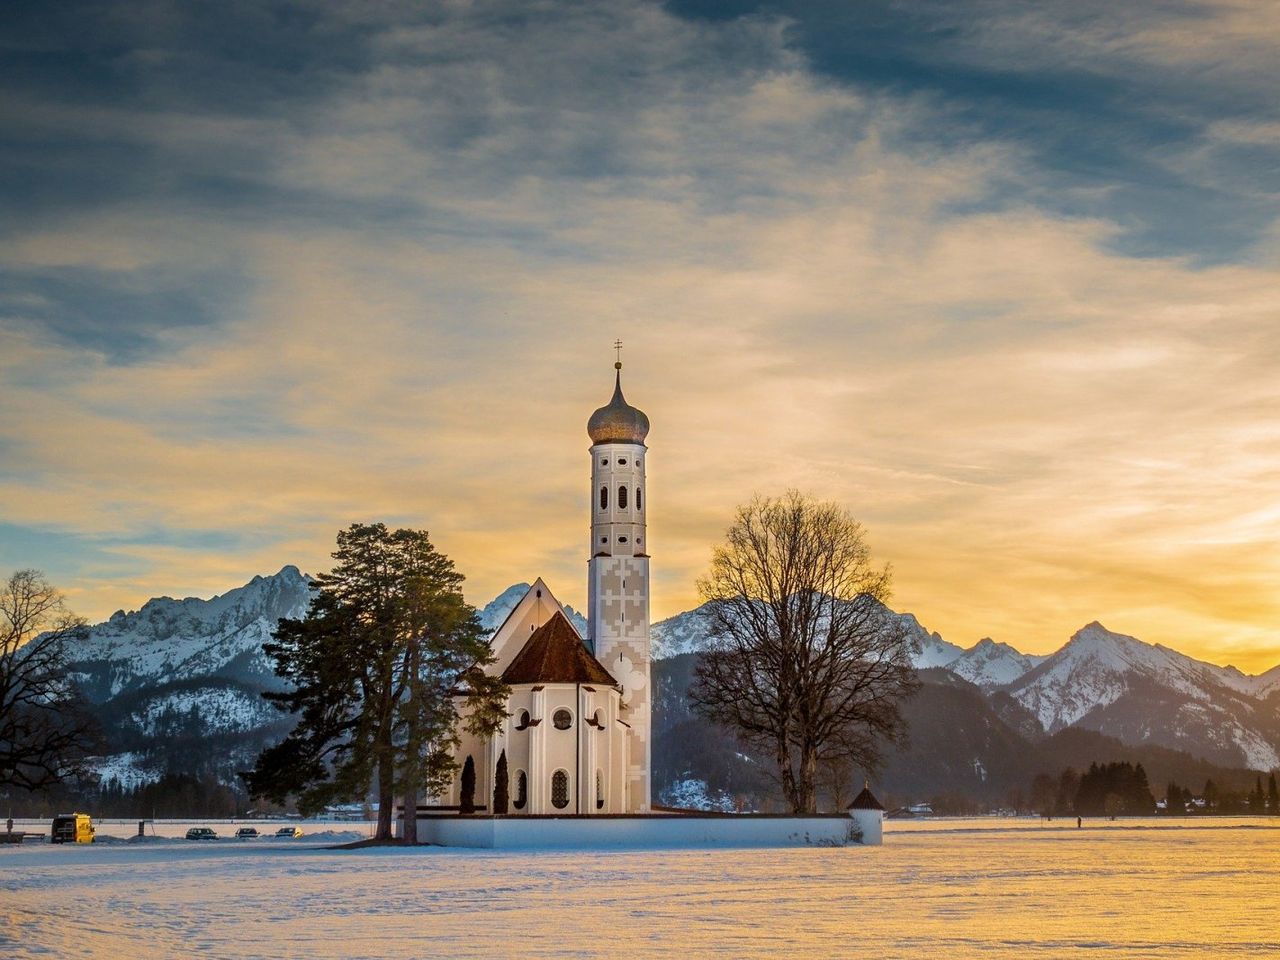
(787, 775)
(808, 787)
(410, 832)
(386, 800)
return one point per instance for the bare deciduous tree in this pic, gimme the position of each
(806, 663)
(44, 732)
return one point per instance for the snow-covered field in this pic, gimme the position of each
(945, 889)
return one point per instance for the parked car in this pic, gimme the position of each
(201, 833)
(71, 828)
(289, 833)
(247, 833)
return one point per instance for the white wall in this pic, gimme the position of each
(871, 825)
(650, 832)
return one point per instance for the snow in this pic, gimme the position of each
(962, 889)
(1093, 670)
(228, 709)
(694, 794)
(127, 771)
(683, 633)
(170, 640)
(989, 664)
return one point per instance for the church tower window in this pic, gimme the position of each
(560, 789)
(637, 498)
(604, 498)
(622, 498)
(562, 719)
(522, 790)
(599, 790)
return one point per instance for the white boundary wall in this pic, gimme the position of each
(638, 832)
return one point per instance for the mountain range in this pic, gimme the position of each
(177, 685)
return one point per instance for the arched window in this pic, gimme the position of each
(604, 498)
(599, 790)
(524, 720)
(637, 498)
(622, 498)
(562, 719)
(522, 790)
(560, 789)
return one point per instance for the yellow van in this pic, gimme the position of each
(71, 828)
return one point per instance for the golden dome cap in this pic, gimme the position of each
(618, 422)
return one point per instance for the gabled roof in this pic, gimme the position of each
(554, 654)
(532, 611)
(865, 800)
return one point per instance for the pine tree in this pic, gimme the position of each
(500, 785)
(1273, 796)
(467, 803)
(374, 670)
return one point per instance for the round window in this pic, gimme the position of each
(622, 463)
(562, 719)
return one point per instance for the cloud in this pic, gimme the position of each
(402, 272)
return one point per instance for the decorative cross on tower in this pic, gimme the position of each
(617, 347)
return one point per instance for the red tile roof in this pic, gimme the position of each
(554, 654)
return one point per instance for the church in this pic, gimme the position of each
(576, 739)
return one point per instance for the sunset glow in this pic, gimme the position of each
(1032, 345)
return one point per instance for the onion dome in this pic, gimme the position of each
(619, 422)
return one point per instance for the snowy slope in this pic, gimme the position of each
(989, 664)
(1141, 692)
(687, 633)
(684, 633)
(172, 640)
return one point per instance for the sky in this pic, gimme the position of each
(1002, 279)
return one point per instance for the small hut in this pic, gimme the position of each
(868, 814)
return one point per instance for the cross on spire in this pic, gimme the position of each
(617, 347)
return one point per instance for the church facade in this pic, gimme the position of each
(577, 737)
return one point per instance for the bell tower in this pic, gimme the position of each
(618, 572)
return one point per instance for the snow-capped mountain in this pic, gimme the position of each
(988, 664)
(174, 640)
(180, 682)
(687, 633)
(1141, 692)
(684, 633)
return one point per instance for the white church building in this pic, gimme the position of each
(576, 738)
(576, 741)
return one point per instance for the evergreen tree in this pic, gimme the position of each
(1068, 787)
(1257, 799)
(467, 802)
(501, 785)
(374, 670)
(1273, 796)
